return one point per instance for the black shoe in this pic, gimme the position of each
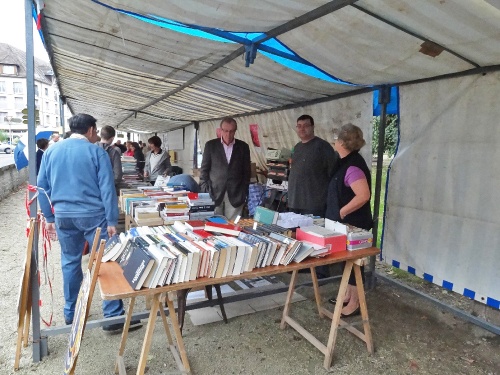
(134, 325)
(68, 322)
(333, 301)
(354, 313)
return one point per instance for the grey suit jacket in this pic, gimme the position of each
(217, 176)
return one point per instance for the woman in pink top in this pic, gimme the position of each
(348, 199)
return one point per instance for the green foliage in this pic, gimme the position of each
(3, 137)
(391, 135)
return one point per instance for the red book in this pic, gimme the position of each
(202, 233)
(195, 224)
(230, 229)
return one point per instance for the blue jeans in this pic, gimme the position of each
(72, 233)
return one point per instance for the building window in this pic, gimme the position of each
(36, 90)
(36, 103)
(46, 91)
(47, 120)
(46, 106)
(57, 120)
(9, 69)
(2, 116)
(55, 95)
(19, 102)
(55, 108)
(3, 102)
(2, 86)
(18, 88)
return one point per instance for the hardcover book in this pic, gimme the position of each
(113, 245)
(230, 229)
(138, 267)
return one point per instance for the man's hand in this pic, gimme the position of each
(111, 231)
(51, 231)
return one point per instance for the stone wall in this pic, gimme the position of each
(11, 179)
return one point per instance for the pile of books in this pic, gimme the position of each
(201, 206)
(153, 256)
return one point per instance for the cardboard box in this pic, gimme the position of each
(336, 242)
(357, 238)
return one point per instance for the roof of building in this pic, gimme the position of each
(10, 55)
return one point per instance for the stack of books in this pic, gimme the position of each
(201, 206)
(174, 210)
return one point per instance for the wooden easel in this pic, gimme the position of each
(24, 307)
(79, 321)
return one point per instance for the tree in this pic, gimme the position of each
(3, 136)
(391, 134)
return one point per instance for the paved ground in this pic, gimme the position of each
(411, 335)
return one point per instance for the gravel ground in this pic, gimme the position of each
(411, 335)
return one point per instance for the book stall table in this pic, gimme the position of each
(113, 285)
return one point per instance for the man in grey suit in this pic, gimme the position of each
(225, 170)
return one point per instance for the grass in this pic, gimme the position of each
(382, 197)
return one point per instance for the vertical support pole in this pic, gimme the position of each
(62, 102)
(384, 98)
(30, 90)
(195, 146)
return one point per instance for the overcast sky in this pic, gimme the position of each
(12, 30)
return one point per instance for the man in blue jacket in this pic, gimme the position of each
(77, 176)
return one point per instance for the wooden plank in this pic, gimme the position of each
(120, 366)
(288, 302)
(347, 326)
(97, 236)
(165, 325)
(306, 334)
(364, 309)
(332, 337)
(177, 333)
(149, 335)
(123, 341)
(317, 295)
(23, 294)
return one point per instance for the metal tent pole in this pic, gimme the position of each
(195, 147)
(383, 99)
(61, 115)
(30, 90)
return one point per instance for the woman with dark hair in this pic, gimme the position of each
(138, 156)
(348, 199)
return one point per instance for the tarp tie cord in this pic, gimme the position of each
(46, 246)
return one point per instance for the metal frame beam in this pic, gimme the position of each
(390, 23)
(319, 12)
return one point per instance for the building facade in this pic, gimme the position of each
(13, 97)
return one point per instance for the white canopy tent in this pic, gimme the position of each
(156, 66)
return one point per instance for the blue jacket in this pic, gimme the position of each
(78, 178)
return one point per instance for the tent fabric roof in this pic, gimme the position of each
(144, 66)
